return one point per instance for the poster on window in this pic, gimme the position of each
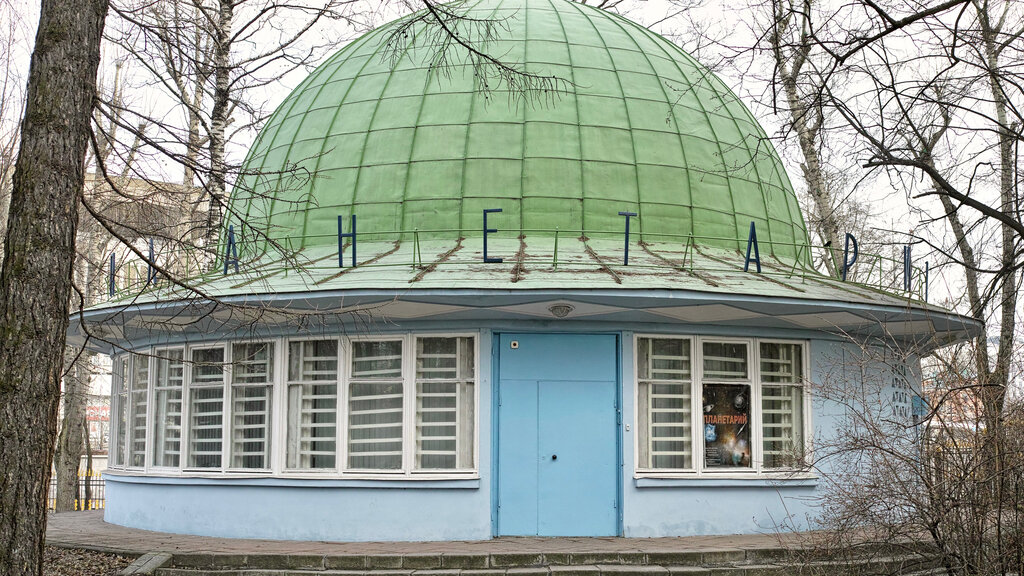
(726, 425)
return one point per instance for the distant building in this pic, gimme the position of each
(482, 357)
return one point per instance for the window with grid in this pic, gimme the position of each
(252, 378)
(119, 408)
(375, 404)
(137, 416)
(312, 404)
(445, 400)
(170, 376)
(782, 404)
(725, 399)
(206, 408)
(664, 403)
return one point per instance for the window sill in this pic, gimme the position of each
(403, 482)
(728, 482)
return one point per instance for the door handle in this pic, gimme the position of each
(554, 456)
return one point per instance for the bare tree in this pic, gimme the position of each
(915, 487)
(788, 39)
(215, 60)
(929, 96)
(93, 245)
(11, 104)
(927, 107)
(35, 279)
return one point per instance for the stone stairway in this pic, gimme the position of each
(706, 562)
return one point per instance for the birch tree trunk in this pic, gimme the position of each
(35, 281)
(219, 117)
(805, 118)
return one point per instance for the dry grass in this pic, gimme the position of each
(73, 562)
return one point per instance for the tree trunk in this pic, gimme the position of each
(219, 118)
(70, 442)
(35, 281)
(87, 495)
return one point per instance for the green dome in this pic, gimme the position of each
(640, 127)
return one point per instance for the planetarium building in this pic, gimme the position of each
(450, 310)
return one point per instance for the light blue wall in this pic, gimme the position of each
(654, 507)
(306, 510)
(300, 509)
(452, 510)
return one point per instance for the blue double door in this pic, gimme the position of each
(558, 453)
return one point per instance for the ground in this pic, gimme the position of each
(76, 562)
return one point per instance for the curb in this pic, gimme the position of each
(146, 564)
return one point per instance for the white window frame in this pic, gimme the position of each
(755, 401)
(277, 436)
(119, 401)
(159, 354)
(636, 407)
(225, 400)
(476, 406)
(143, 353)
(753, 380)
(405, 377)
(804, 383)
(340, 408)
(271, 461)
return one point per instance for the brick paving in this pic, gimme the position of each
(88, 530)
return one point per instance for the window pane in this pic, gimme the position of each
(726, 425)
(312, 404)
(206, 415)
(208, 366)
(313, 360)
(782, 421)
(252, 370)
(781, 362)
(664, 359)
(725, 361)
(377, 359)
(139, 405)
(375, 425)
(206, 408)
(252, 363)
(250, 427)
(170, 375)
(437, 358)
(445, 403)
(664, 403)
(120, 408)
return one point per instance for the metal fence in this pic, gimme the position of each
(91, 493)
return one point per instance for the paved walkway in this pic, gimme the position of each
(88, 530)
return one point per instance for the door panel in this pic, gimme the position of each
(518, 450)
(578, 486)
(557, 430)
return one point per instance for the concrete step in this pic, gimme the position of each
(699, 565)
(451, 563)
(577, 570)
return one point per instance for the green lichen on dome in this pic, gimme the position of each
(642, 127)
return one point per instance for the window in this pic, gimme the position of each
(206, 408)
(312, 404)
(397, 405)
(750, 417)
(252, 377)
(119, 407)
(782, 406)
(375, 405)
(725, 399)
(170, 376)
(138, 415)
(445, 401)
(664, 388)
